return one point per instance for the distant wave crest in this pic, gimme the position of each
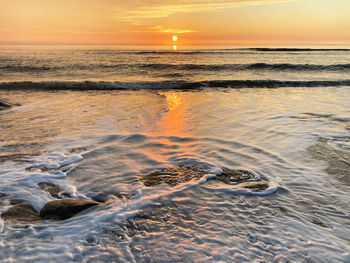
(297, 49)
(231, 50)
(91, 85)
(186, 67)
(25, 68)
(254, 66)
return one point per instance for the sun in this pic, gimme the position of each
(174, 38)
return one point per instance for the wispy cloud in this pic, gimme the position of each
(141, 13)
(161, 29)
(157, 9)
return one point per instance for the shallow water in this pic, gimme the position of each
(99, 143)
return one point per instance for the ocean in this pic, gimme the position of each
(196, 155)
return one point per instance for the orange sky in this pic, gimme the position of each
(195, 22)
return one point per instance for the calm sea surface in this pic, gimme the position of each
(95, 121)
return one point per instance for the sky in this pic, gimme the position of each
(195, 22)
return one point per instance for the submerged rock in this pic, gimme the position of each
(335, 152)
(54, 190)
(22, 211)
(255, 186)
(181, 174)
(172, 175)
(64, 209)
(234, 176)
(243, 178)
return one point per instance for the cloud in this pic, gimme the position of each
(140, 13)
(156, 9)
(161, 29)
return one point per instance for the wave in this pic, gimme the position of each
(303, 67)
(296, 49)
(26, 68)
(254, 66)
(214, 51)
(166, 52)
(158, 85)
(188, 67)
(231, 50)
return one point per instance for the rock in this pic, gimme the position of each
(242, 178)
(64, 209)
(51, 188)
(255, 186)
(234, 176)
(173, 175)
(184, 173)
(21, 211)
(4, 105)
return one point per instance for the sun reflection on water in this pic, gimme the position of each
(172, 124)
(173, 101)
(173, 121)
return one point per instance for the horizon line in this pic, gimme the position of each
(184, 46)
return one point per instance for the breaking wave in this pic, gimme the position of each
(101, 85)
(188, 67)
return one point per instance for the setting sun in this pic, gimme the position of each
(174, 38)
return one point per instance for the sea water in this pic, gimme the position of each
(94, 120)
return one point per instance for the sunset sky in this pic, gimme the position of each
(195, 22)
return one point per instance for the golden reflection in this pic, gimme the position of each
(174, 122)
(174, 47)
(173, 101)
